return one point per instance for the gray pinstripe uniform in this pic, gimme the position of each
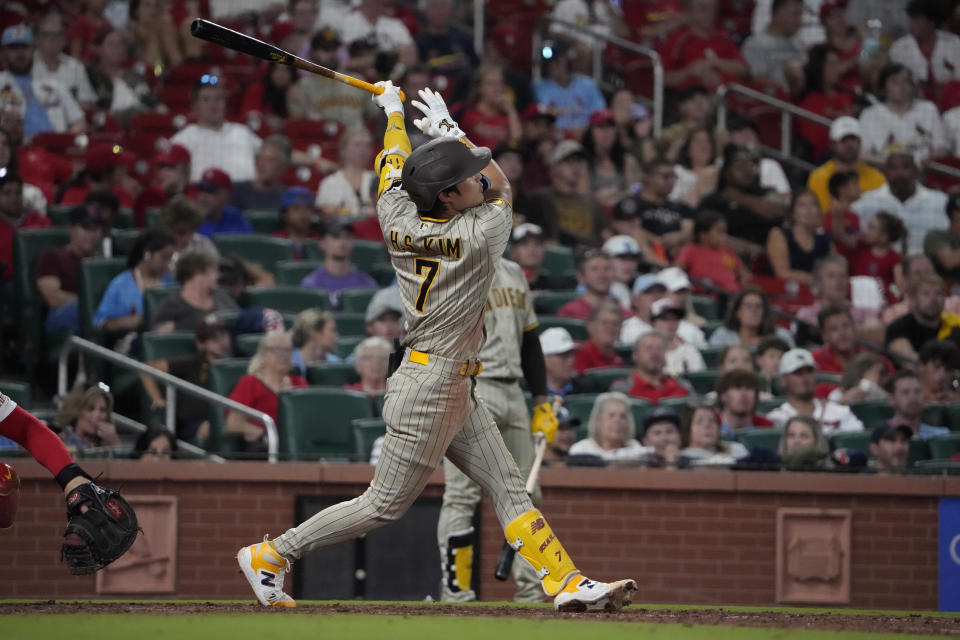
(444, 270)
(509, 313)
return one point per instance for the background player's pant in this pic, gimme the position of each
(461, 495)
(430, 411)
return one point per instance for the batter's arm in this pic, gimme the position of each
(534, 367)
(396, 143)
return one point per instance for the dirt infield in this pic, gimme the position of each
(912, 623)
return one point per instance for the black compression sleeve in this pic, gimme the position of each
(531, 360)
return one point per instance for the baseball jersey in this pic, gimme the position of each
(444, 270)
(509, 314)
(919, 130)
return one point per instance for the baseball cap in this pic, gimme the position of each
(538, 110)
(675, 279)
(333, 226)
(843, 127)
(626, 209)
(565, 150)
(383, 301)
(526, 230)
(887, 431)
(85, 216)
(661, 414)
(663, 306)
(601, 117)
(827, 7)
(796, 359)
(16, 34)
(296, 195)
(555, 341)
(214, 179)
(565, 419)
(209, 326)
(645, 282)
(177, 154)
(621, 246)
(103, 156)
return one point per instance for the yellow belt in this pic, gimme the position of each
(420, 357)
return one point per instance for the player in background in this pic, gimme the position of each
(446, 227)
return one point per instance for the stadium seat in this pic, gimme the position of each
(705, 307)
(305, 134)
(171, 344)
(677, 404)
(711, 356)
(265, 222)
(753, 438)
(27, 246)
(580, 405)
(123, 240)
(558, 259)
(347, 344)
(858, 440)
(287, 299)
(367, 253)
(919, 450)
(356, 300)
(292, 272)
(95, 276)
(332, 374)
(937, 467)
(18, 391)
(248, 343)
(703, 381)
(383, 273)
(365, 433)
(224, 375)
(350, 323)
(575, 327)
(639, 408)
(549, 302)
(152, 298)
(600, 379)
(766, 406)
(872, 413)
(944, 447)
(317, 422)
(266, 251)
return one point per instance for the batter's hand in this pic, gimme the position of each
(389, 100)
(436, 121)
(544, 421)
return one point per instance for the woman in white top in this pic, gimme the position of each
(349, 191)
(703, 446)
(611, 431)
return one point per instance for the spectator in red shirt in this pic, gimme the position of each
(297, 214)
(701, 53)
(84, 29)
(595, 273)
(370, 359)
(872, 254)
(267, 375)
(844, 189)
(824, 95)
(844, 39)
(490, 117)
(603, 329)
(648, 381)
(710, 256)
(106, 170)
(839, 340)
(268, 98)
(171, 177)
(737, 394)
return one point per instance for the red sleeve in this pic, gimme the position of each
(727, 48)
(47, 265)
(684, 258)
(34, 436)
(297, 381)
(252, 99)
(669, 52)
(245, 391)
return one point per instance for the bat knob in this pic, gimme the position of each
(196, 26)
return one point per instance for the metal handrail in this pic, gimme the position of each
(139, 427)
(173, 383)
(633, 47)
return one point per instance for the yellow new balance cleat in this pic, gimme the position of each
(582, 594)
(264, 568)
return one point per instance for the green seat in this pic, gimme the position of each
(711, 356)
(753, 438)
(224, 375)
(288, 299)
(711, 326)
(705, 307)
(266, 251)
(367, 253)
(383, 273)
(859, 440)
(937, 467)
(163, 346)
(266, 221)
(575, 327)
(27, 247)
(766, 406)
(332, 374)
(677, 404)
(347, 344)
(95, 277)
(600, 380)
(639, 407)
(356, 300)
(151, 217)
(59, 214)
(123, 240)
(248, 343)
(152, 298)
(919, 450)
(934, 414)
(549, 302)
(292, 272)
(557, 259)
(952, 412)
(365, 433)
(317, 422)
(625, 351)
(828, 378)
(872, 413)
(559, 281)
(350, 323)
(17, 391)
(944, 447)
(580, 405)
(703, 381)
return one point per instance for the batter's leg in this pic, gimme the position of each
(455, 535)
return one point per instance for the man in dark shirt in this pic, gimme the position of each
(58, 270)
(213, 194)
(444, 48)
(661, 220)
(197, 274)
(926, 320)
(265, 191)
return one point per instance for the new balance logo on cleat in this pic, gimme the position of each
(268, 579)
(264, 568)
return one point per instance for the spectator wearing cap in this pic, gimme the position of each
(197, 274)
(264, 192)
(846, 145)
(611, 431)
(120, 88)
(314, 336)
(559, 353)
(350, 192)
(839, 336)
(926, 319)
(384, 314)
(931, 53)
(538, 142)
(613, 171)
(831, 283)
(649, 379)
(662, 438)
(679, 289)
(105, 169)
(907, 399)
(647, 289)
(625, 255)
(57, 270)
(775, 54)
(171, 177)
(711, 257)
(213, 196)
(603, 328)
(749, 320)
(695, 108)
(211, 140)
(527, 250)
(681, 357)
(572, 95)
(444, 47)
(490, 116)
(825, 95)
(890, 448)
(43, 104)
(595, 274)
(939, 361)
(701, 53)
(368, 19)
(798, 378)
(193, 414)
(13, 216)
(661, 220)
(737, 393)
(182, 217)
(337, 273)
(52, 64)
(558, 450)
(297, 215)
(942, 246)
(702, 439)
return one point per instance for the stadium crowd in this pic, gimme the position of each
(702, 299)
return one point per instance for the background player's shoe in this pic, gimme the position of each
(264, 568)
(582, 594)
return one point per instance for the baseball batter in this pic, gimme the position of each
(446, 227)
(511, 351)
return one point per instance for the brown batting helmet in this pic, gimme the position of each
(438, 165)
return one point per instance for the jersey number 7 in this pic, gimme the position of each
(426, 269)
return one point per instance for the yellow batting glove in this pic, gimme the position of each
(544, 421)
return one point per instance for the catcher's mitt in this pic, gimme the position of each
(96, 537)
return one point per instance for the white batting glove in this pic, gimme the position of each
(436, 121)
(389, 100)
